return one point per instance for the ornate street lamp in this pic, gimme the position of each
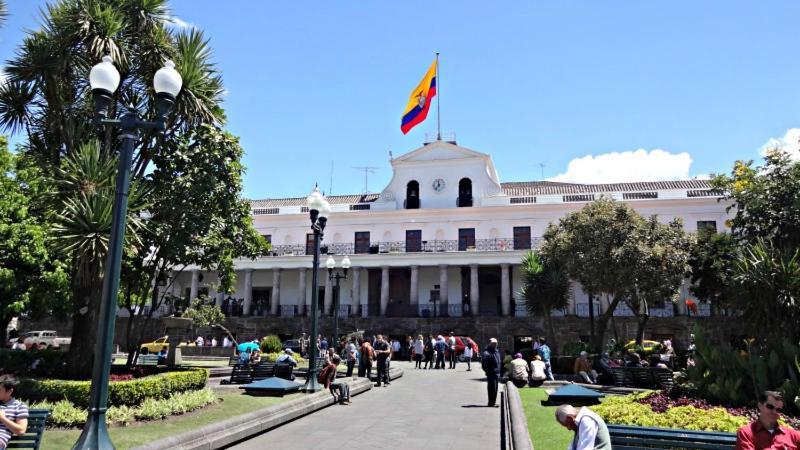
(318, 211)
(330, 263)
(104, 80)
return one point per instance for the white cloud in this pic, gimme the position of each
(790, 142)
(620, 167)
(178, 23)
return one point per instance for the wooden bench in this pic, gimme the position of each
(262, 371)
(147, 360)
(642, 377)
(37, 418)
(629, 437)
(241, 374)
(233, 360)
(284, 371)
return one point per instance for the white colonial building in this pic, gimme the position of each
(444, 238)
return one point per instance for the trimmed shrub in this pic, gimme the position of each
(272, 357)
(43, 363)
(120, 393)
(271, 344)
(64, 414)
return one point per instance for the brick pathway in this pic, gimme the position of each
(432, 409)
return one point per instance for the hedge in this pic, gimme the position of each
(120, 393)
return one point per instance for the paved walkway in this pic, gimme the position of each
(431, 409)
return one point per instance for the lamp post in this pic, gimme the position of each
(318, 210)
(104, 80)
(330, 263)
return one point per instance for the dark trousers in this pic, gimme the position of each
(418, 361)
(452, 357)
(428, 360)
(383, 372)
(350, 365)
(469, 363)
(491, 389)
(365, 369)
(440, 360)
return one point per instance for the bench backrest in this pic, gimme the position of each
(37, 418)
(263, 370)
(147, 360)
(241, 373)
(663, 377)
(234, 360)
(626, 437)
(284, 371)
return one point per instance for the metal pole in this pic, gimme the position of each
(336, 314)
(438, 103)
(312, 385)
(95, 434)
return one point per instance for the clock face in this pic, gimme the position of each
(438, 185)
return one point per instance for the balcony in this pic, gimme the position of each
(432, 246)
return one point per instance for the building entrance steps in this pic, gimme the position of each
(425, 409)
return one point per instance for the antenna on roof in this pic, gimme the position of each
(367, 170)
(541, 166)
(330, 186)
(391, 157)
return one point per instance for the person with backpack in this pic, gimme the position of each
(490, 363)
(544, 352)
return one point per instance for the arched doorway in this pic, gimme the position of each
(464, 192)
(412, 195)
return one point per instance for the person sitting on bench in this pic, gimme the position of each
(13, 413)
(286, 358)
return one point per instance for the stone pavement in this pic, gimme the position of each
(431, 409)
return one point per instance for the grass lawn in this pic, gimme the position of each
(545, 432)
(232, 404)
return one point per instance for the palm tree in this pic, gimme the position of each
(47, 98)
(545, 287)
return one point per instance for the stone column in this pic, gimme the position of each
(195, 285)
(355, 299)
(505, 290)
(328, 303)
(275, 299)
(220, 298)
(474, 290)
(301, 291)
(443, 297)
(572, 308)
(414, 288)
(384, 289)
(248, 292)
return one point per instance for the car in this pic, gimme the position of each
(49, 338)
(461, 343)
(155, 346)
(293, 344)
(647, 346)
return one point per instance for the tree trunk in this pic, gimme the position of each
(602, 325)
(87, 297)
(552, 330)
(642, 321)
(4, 321)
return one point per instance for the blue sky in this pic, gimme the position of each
(578, 87)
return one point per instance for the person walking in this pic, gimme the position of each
(428, 352)
(382, 353)
(419, 349)
(544, 352)
(351, 353)
(410, 348)
(451, 347)
(468, 355)
(366, 358)
(490, 363)
(591, 432)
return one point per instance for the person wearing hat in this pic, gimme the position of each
(490, 363)
(519, 371)
(286, 358)
(583, 368)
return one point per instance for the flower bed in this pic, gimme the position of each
(130, 392)
(66, 415)
(658, 409)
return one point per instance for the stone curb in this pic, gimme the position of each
(241, 427)
(515, 423)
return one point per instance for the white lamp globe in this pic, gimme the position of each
(104, 75)
(346, 262)
(330, 263)
(325, 209)
(167, 80)
(315, 199)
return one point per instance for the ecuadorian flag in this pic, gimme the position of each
(420, 101)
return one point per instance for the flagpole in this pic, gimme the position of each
(438, 103)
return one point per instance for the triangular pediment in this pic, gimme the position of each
(439, 150)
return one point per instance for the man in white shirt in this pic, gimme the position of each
(590, 430)
(451, 347)
(199, 341)
(226, 342)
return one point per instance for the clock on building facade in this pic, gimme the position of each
(438, 185)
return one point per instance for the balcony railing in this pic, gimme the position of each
(430, 246)
(288, 310)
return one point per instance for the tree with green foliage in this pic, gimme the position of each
(47, 99)
(204, 313)
(545, 287)
(712, 258)
(29, 277)
(593, 246)
(659, 258)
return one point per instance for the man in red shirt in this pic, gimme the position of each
(765, 433)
